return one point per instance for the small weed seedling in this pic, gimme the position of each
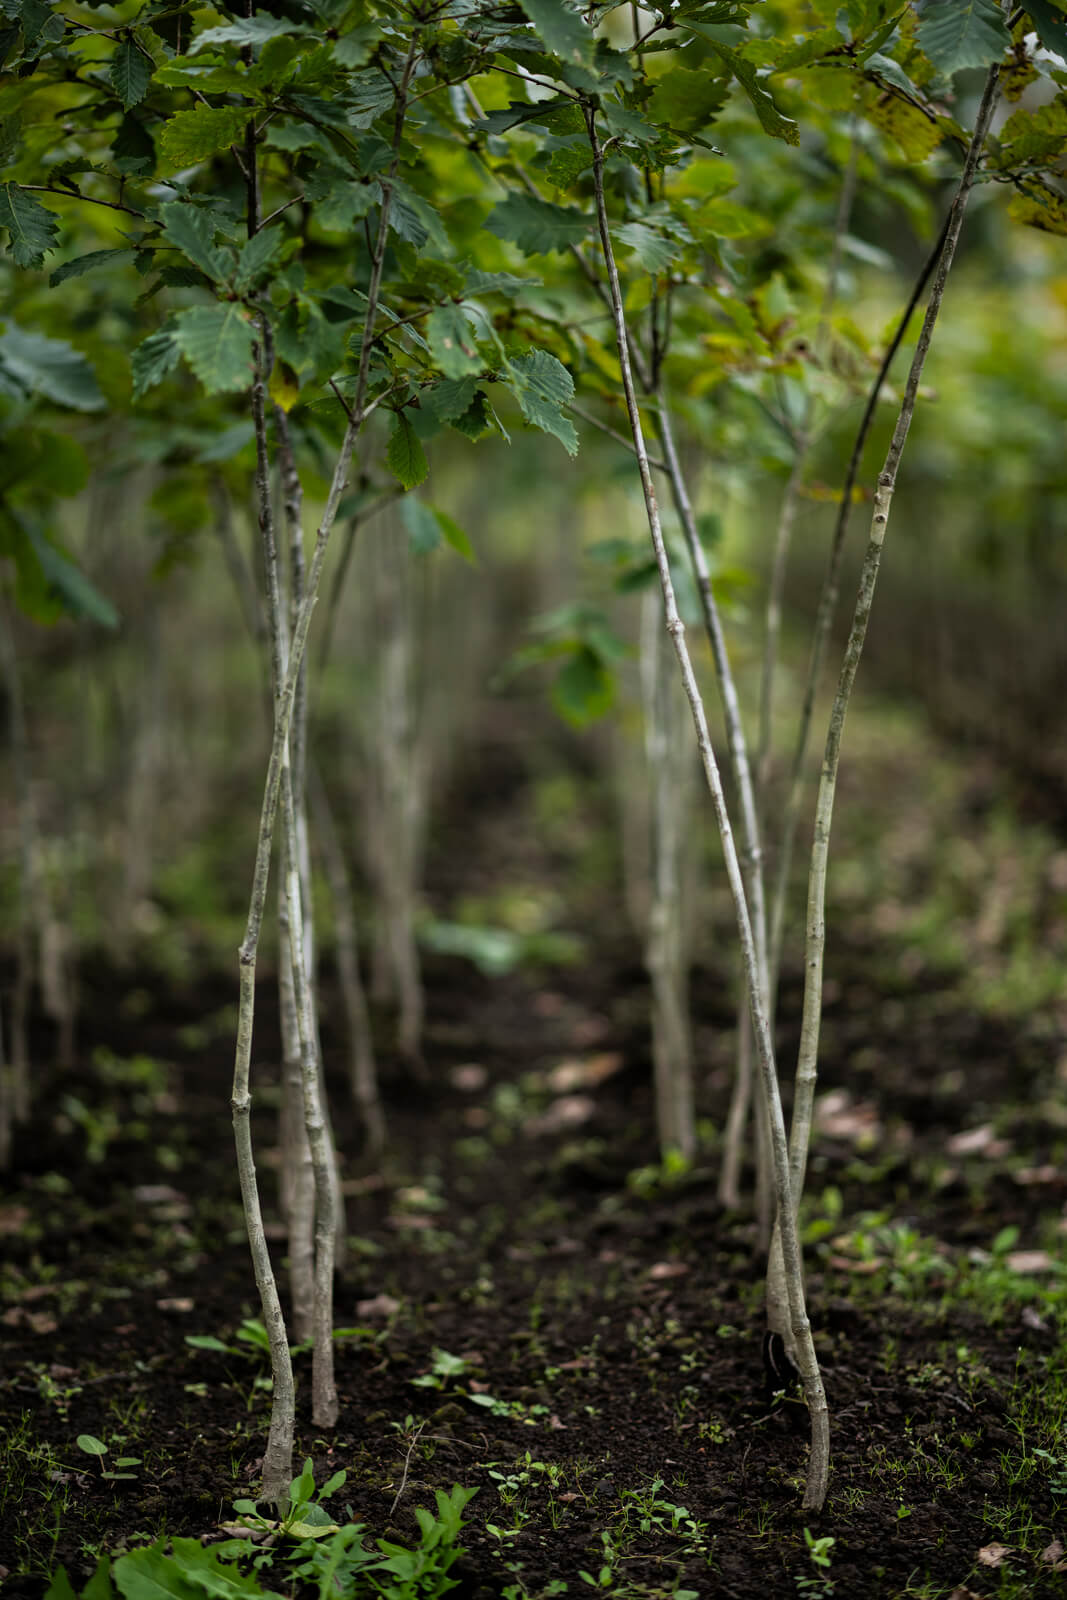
(814, 1585)
(97, 1447)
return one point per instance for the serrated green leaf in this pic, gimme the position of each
(451, 341)
(256, 256)
(193, 231)
(246, 31)
(152, 360)
(89, 263)
(542, 385)
(450, 399)
(50, 367)
(339, 202)
(32, 228)
(771, 119)
(191, 136)
(404, 455)
(455, 536)
(478, 419)
(687, 100)
(963, 33)
(567, 162)
(130, 73)
(535, 225)
(561, 30)
(1034, 135)
(217, 343)
(653, 251)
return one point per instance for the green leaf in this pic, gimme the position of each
(217, 343)
(452, 343)
(964, 33)
(584, 689)
(153, 359)
(478, 419)
(91, 1445)
(404, 455)
(454, 535)
(193, 231)
(542, 385)
(771, 119)
(1034, 135)
(88, 263)
(206, 1341)
(1050, 23)
(191, 136)
(245, 31)
(256, 256)
(32, 228)
(302, 1488)
(653, 251)
(132, 149)
(536, 226)
(60, 1587)
(688, 100)
(424, 533)
(50, 367)
(450, 399)
(80, 598)
(725, 219)
(477, 282)
(1040, 207)
(191, 1572)
(561, 30)
(130, 74)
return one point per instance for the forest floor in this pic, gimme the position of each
(533, 1307)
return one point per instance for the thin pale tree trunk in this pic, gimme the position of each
(668, 754)
(807, 1062)
(363, 1072)
(277, 1461)
(818, 1464)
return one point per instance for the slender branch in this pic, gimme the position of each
(816, 926)
(605, 427)
(826, 609)
(815, 1492)
(76, 194)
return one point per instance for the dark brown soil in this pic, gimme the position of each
(614, 1318)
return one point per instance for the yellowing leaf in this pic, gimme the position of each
(284, 386)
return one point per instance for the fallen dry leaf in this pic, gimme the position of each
(1037, 1175)
(864, 1266)
(468, 1078)
(366, 1185)
(1052, 1553)
(1032, 1320)
(176, 1304)
(12, 1218)
(382, 1305)
(668, 1269)
(1029, 1260)
(158, 1194)
(568, 1112)
(836, 1117)
(978, 1141)
(992, 1555)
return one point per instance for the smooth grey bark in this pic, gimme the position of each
(398, 783)
(668, 756)
(277, 1462)
(363, 1072)
(800, 1327)
(807, 1062)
